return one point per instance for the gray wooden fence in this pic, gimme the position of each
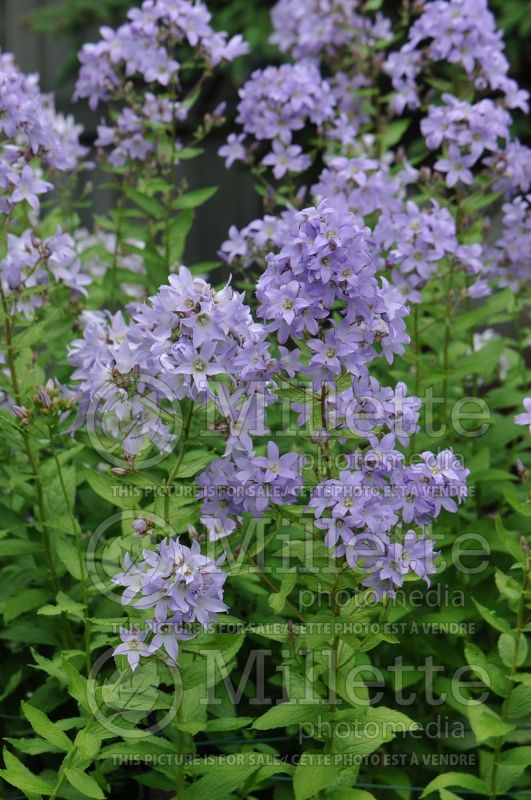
(236, 203)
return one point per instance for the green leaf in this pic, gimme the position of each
(486, 724)
(180, 227)
(105, 485)
(499, 682)
(87, 744)
(193, 462)
(204, 267)
(188, 153)
(309, 778)
(520, 702)
(16, 547)
(68, 555)
(277, 600)
(32, 747)
(513, 500)
(35, 332)
(492, 618)
(479, 200)
(21, 778)
(509, 651)
(459, 779)
(148, 204)
(77, 684)
(286, 714)
(507, 586)
(508, 541)
(499, 303)
(64, 605)
(222, 780)
(84, 783)
(394, 132)
(517, 755)
(46, 728)
(195, 198)
(24, 601)
(11, 685)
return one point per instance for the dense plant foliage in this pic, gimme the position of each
(265, 518)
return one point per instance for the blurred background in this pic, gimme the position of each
(45, 36)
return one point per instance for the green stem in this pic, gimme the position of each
(79, 547)
(62, 775)
(66, 632)
(447, 341)
(416, 346)
(181, 782)
(175, 469)
(120, 206)
(274, 589)
(170, 193)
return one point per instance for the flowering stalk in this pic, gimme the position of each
(79, 547)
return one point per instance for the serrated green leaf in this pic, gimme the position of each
(84, 783)
(20, 776)
(492, 618)
(459, 779)
(486, 724)
(46, 728)
(520, 703)
(309, 778)
(286, 714)
(512, 649)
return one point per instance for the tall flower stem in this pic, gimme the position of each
(170, 192)
(80, 554)
(175, 469)
(447, 340)
(417, 351)
(33, 459)
(120, 207)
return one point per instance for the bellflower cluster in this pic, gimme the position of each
(143, 48)
(31, 132)
(324, 28)
(364, 185)
(342, 39)
(461, 32)
(365, 409)
(177, 343)
(30, 265)
(151, 47)
(247, 483)
(466, 131)
(180, 586)
(275, 103)
(362, 510)
(251, 245)
(511, 168)
(327, 261)
(509, 260)
(117, 389)
(418, 240)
